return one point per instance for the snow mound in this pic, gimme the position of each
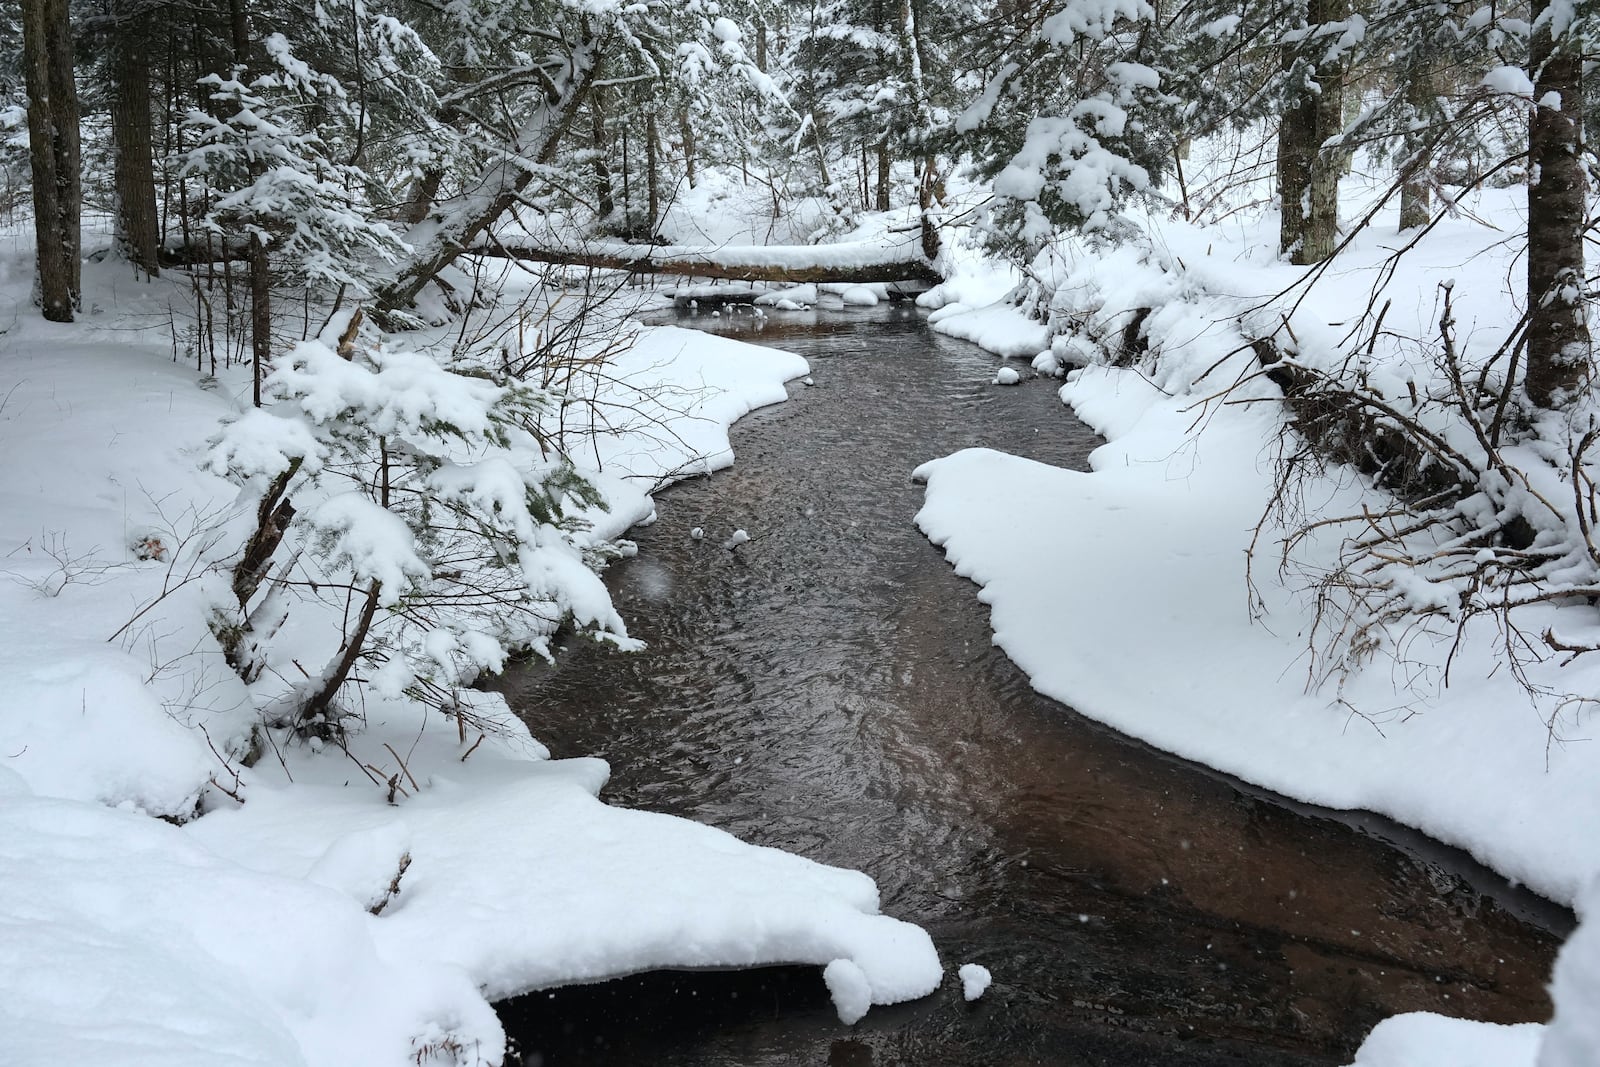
(1422, 1039)
(859, 296)
(798, 295)
(522, 879)
(194, 960)
(850, 988)
(975, 980)
(1007, 376)
(1573, 1036)
(1229, 694)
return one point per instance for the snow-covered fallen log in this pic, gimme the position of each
(861, 261)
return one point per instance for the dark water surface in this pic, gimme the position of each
(830, 688)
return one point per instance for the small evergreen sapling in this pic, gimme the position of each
(434, 512)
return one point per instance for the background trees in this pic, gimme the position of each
(363, 144)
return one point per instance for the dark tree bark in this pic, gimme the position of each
(1308, 174)
(652, 160)
(658, 259)
(687, 129)
(605, 200)
(1416, 188)
(1559, 347)
(883, 176)
(259, 260)
(138, 225)
(53, 145)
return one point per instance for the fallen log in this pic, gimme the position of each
(755, 263)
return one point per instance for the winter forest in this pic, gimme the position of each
(1153, 614)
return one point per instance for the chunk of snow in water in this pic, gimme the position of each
(698, 533)
(851, 992)
(807, 380)
(1007, 376)
(859, 296)
(975, 980)
(788, 305)
(1047, 363)
(739, 537)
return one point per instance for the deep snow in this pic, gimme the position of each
(1123, 592)
(246, 935)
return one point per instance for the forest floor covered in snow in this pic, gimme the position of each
(1124, 592)
(331, 904)
(366, 902)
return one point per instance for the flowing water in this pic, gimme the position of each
(831, 688)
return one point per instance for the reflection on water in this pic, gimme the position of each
(831, 688)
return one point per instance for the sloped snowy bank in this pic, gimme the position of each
(248, 935)
(1124, 593)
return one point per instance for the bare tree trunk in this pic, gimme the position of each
(423, 193)
(53, 145)
(1308, 174)
(883, 176)
(1297, 131)
(688, 146)
(930, 193)
(1559, 348)
(138, 225)
(1322, 218)
(652, 153)
(604, 199)
(498, 188)
(1416, 186)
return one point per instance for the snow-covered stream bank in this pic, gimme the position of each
(830, 687)
(358, 907)
(1124, 591)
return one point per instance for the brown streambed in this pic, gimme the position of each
(831, 688)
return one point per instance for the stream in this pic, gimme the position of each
(830, 688)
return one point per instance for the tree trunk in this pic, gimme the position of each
(53, 145)
(1559, 348)
(1416, 185)
(1322, 218)
(260, 315)
(605, 202)
(138, 225)
(1297, 133)
(686, 262)
(688, 146)
(883, 175)
(498, 188)
(930, 193)
(652, 156)
(1308, 174)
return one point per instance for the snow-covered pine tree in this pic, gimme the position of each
(1071, 118)
(430, 508)
(523, 72)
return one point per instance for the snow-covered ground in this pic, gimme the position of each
(360, 906)
(1123, 592)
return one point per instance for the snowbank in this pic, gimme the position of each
(521, 878)
(318, 923)
(1123, 592)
